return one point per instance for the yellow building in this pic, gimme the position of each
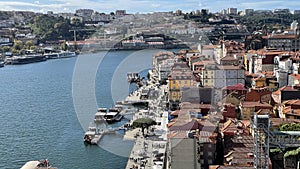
(177, 80)
(208, 77)
(247, 109)
(260, 82)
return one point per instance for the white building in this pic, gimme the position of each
(220, 76)
(232, 11)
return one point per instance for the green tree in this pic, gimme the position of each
(28, 44)
(5, 49)
(18, 45)
(33, 48)
(143, 123)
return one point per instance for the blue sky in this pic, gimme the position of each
(144, 6)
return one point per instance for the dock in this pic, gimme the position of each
(98, 136)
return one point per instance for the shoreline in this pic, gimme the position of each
(83, 51)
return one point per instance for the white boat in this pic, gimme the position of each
(59, 55)
(40, 164)
(99, 116)
(113, 115)
(51, 55)
(66, 54)
(92, 135)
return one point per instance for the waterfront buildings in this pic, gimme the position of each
(162, 64)
(220, 76)
(181, 76)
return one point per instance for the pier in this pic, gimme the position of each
(97, 135)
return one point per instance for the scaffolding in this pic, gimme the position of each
(264, 139)
(261, 126)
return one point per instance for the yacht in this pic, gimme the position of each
(51, 55)
(113, 115)
(25, 59)
(39, 164)
(99, 116)
(59, 55)
(66, 54)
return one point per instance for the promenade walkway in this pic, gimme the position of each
(149, 150)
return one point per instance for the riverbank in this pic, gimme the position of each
(150, 148)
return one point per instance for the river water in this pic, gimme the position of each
(38, 118)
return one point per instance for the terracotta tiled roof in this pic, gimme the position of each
(291, 102)
(288, 110)
(228, 58)
(254, 104)
(204, 62)
(229, 67)
(192, 125)
(238, 86)
(266, 52)
(278, 121)
(296, 76)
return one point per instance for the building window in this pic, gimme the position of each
(210, 154)
(210, 161)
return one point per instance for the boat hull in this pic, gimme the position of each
(26, 60)
(117, 118)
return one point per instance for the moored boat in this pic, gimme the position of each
(99, 116)
(66, 54)
(60, 54)
(51, 55)
(113, 115)
(25, 59)
(39, 164)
